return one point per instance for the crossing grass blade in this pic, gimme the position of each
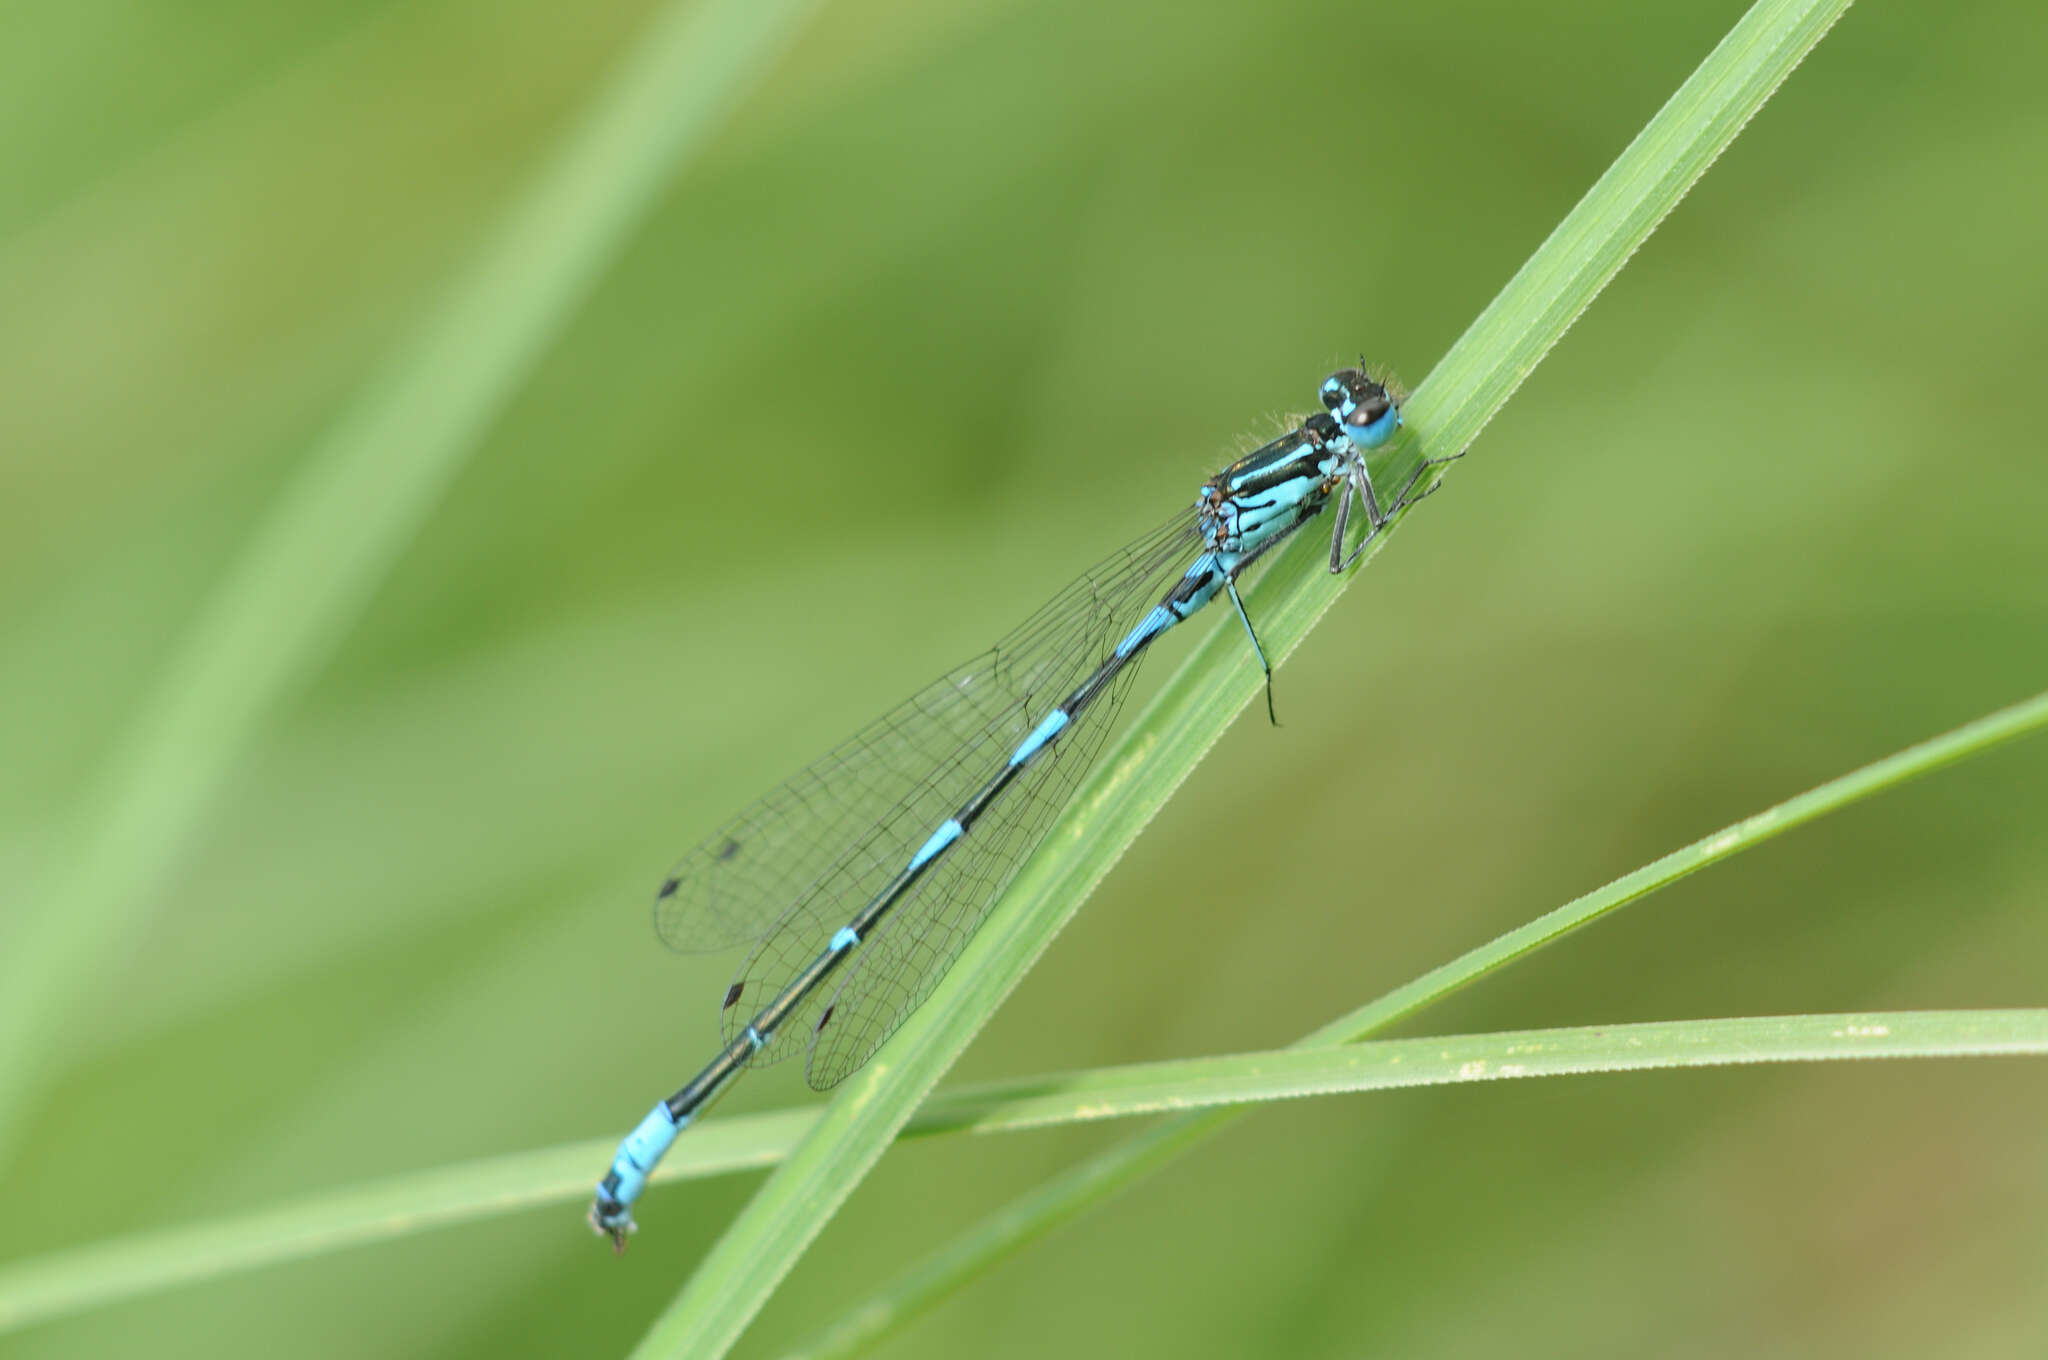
(1103, 1175)
(1141, 771)
(78, 1280)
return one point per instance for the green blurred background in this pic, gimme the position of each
(961, 298)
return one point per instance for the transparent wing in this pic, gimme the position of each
(916, 944)
(808, 855)
(906, 954)
(953, 740)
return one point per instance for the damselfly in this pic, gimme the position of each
(860, 880)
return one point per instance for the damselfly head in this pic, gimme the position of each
(1363, 406)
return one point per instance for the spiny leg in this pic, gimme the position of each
(1230, 586)
(1357, 481)
(1361, 478)
(1403, 501)
(1339, 563)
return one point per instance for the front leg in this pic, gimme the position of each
(1356, 480)
(1339, 563)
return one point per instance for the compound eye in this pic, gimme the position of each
(1372, 421)
(1349, 387)
(1337, 392)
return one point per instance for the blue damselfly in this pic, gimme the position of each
(859, 881)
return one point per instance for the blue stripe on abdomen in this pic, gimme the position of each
(1054, 723)
(943, 837)
(1153, 624)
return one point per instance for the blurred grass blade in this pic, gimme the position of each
(1104, 1174)
(102, 1273)
(73, 1281)
(363, 492)
(1475, 378)
(1557, 283)
(1972, 738)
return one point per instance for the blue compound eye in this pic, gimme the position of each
(1373, 424)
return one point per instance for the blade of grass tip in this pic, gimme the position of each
(82, 1278)
(1482, 369)
(1607, 226)
(363, 492)
(1105, 1174)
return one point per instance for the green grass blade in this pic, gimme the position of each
(73, 1281)
(1972, 738)
(1392, 1064)
(1069, 1194)
(363, 492)
(1482, 369)
(36, 1290)
(1557, 283)
(1395, 1064)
